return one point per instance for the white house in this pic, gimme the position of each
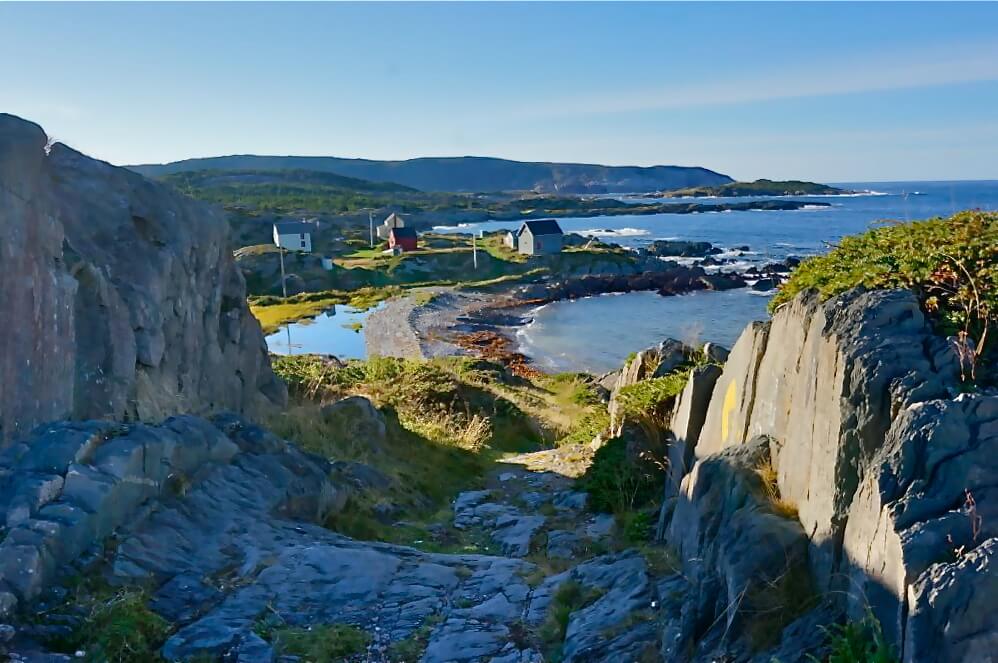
(393, 221)
(294, 235)
(511, 240)
(541, 237)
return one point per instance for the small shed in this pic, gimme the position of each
(404, 238)
(294, 235)
(392, 221)
(540, 237)
(510, 239)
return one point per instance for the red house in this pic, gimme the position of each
(405, 238)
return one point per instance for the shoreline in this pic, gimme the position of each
(468, 323)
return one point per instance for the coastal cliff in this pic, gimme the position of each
(121, 297)
(835, 471)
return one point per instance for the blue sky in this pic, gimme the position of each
(831, 92)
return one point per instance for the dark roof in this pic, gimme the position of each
(404, 233)
(542, 227)
(294, 227)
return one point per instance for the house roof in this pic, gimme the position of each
(541, 227)
(404, 233)
(293, 227)
(393, 219)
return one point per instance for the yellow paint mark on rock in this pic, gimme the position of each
(730, 396)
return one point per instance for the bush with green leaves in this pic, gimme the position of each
(950, 263)
(651, 398)
(619, 483)
(860, 641)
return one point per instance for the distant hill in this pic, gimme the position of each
(467, 174)
(758, 188)
(305, 191)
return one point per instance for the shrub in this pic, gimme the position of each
(950, 263)
(618, 483)
(859, 642)
(588, 427)
(637, 527)
(649, 398)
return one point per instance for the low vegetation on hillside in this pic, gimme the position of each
(759, 188)
(293, 191)
(951, 263)
(447, 420)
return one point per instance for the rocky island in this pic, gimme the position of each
(169, 492)
(757, 188)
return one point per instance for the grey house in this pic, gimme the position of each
(536, 238)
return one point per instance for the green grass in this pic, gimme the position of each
(117, 624)
(329, 643)
(652, 397)
(447, 419)
(569, 597)
(949, 262)
(272, 311)
(859, 642)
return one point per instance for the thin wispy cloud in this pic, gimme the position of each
(851, 74)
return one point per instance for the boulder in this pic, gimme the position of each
(357, 419)
(681, 248)
(121, 295)
(765, 285)
(719, 281)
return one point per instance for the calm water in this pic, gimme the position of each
(330, 333)
(596, 334)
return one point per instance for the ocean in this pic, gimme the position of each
(596, 334)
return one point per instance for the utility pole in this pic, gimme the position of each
(474, 249)
(284, 283)
(370, 221)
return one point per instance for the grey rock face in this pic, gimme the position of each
(923, 525)
(890, 470)
(787, 379)
(121, 295)
(736, 552)
(101, 474)
(952, 614)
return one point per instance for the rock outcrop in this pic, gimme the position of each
(69, 485)
(120, 295)
(877, 460)
(221, 521)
